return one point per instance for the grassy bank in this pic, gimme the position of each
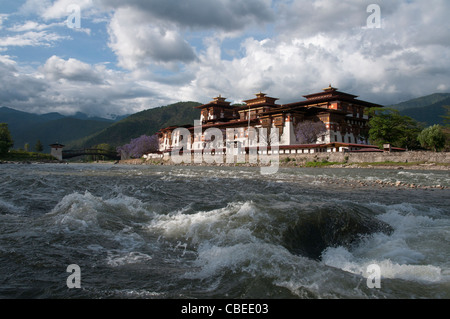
(408, 164)
(23, 156)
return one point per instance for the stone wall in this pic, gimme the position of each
(400, 157)
(350, 158)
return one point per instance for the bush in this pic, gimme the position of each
(140, 146)
(6, 141)
(432, 137)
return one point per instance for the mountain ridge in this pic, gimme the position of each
(146, 122)
(28, 128)
(421, 101)
(80, 131)
(427, 110)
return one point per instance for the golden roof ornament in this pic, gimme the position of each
(330, 88)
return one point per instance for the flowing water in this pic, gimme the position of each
(221, 232)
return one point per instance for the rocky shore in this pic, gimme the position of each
(406, 166)
(292, 164)
(32, 162)
(379, 184)
(341, 182)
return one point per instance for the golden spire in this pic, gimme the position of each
(330, 88)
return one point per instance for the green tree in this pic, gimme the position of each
(432, 137)
(26, 147)
(39, 147)
(388, 126)
(446, 117)
(6, 141)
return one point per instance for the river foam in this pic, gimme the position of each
(202, 232)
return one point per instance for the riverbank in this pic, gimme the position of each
(411, 160)
(311, 164)
(17, 156)
(342, 182)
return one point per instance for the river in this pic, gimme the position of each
(222, 232)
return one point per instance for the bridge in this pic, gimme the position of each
(90, 151)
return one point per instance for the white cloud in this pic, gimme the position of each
(139, 43)
(68, 86)
(286, 48)
(32, 26)
(3, 17)
(34, 7)
(315, 43)
(383, 72)
(62, 8)
(72, 70)
(32, 38)
(56, 10)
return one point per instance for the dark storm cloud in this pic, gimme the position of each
(227, 15)
(16, 86)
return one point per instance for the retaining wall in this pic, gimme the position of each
(351, 158)
(398, 157)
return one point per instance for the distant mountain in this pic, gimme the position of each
(48, 128)
(427, 109)
(80, 130)
(83, 116)
(146, 122)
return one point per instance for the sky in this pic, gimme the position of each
(116, 57)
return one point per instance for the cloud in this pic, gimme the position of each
(3, 17)
(32, 38)
(32, 26)
(72, 70)
(289, 68)
(138, 43)
(319, 42)
(34, 7)
(177, 50)
(145, 33)
(17, 86)
(62, 8)
(304, 18)
(68, 86)
(313, 43)
(56, 10)
(203, 14)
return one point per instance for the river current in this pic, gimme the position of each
(222, 232)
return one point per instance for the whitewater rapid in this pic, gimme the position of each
(222, 232)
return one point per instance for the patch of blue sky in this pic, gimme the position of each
(87, 44)
(10, 6)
